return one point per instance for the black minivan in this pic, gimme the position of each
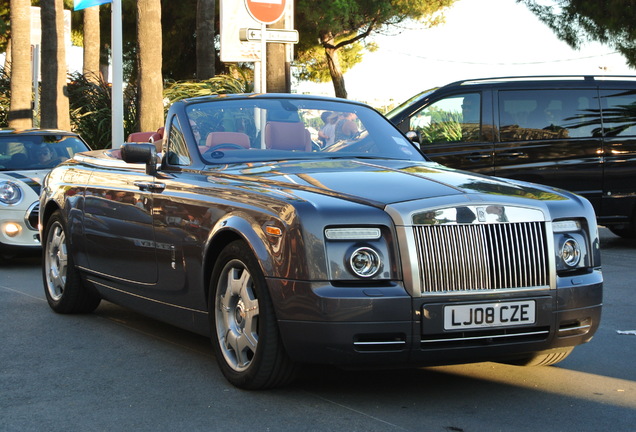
(573, 132)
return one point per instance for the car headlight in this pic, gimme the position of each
(571, 252)
(365, 262)
(359, 252)
(570, 245)
(10, 193)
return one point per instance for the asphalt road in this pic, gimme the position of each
(115, 370)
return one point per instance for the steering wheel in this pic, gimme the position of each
(228, 146)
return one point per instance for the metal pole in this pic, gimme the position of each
(36, 84)
(263, 58)
(118, 76)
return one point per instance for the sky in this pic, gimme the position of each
(480, 38)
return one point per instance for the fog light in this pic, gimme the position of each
(12, 229)
(571, 253)
(365, 262)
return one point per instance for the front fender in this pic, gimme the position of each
(233, 227)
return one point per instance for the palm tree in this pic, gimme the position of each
(90, 67)
(205, 39)
(54, 106)
(150, 76)
(20, 110)
(278, 68)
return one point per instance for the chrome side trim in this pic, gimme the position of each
(386, 343)
(585, 327)
(145, 298)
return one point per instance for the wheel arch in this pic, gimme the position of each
(46, 212)
(226, 231)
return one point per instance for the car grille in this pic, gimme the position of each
(31, 217)
(456, 258)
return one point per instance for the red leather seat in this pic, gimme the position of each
(219, 138)
(287, 136)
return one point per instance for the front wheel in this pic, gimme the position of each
(544, 359)
(245, 334)
(62, 283)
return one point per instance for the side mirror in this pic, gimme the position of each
(141, 153)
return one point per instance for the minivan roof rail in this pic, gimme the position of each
(541, 78)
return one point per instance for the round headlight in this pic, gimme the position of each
(365, 262)
(10, 193)
(571, 252)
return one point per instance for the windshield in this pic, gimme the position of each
(250, 130)
(33, 152)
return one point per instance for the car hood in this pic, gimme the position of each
(31, 178)
(381, 182)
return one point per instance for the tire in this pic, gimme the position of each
(626, 233)
(544, 359)
(245, 335)
(62, 283)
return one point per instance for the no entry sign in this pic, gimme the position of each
(265, 11)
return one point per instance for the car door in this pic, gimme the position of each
(118, 231)
(551, 137)
(456, 130)
(619, 124)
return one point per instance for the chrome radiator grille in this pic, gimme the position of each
(454, 258)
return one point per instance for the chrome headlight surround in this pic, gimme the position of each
(570, 245)
(10, 192)
(365, 262)
(358, 253)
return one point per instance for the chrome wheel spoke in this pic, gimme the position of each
(237, 316)
(56, 262)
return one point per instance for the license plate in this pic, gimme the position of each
(489, 315)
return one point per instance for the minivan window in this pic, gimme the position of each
(548, 114)
(454, 119)
(619, 112)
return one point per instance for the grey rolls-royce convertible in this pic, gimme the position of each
(300, 229)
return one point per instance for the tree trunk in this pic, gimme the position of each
(331, 52)
(205, 39)
(90, 67)
(20, 110)
(150, 58)
(54, 105)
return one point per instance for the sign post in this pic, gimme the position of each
(265, 12)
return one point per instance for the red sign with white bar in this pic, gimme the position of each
(265, 11)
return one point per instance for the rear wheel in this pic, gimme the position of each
(62, 283)
(245, 334)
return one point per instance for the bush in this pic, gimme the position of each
(5, 98)
(90, 102)
(91, 113)
(220, 84)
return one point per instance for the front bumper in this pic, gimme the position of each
(18, 229)
(384, 326)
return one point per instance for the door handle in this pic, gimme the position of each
(150, 186)
(475, 157)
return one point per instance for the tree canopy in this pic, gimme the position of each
(610, 22)
(337, 24)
